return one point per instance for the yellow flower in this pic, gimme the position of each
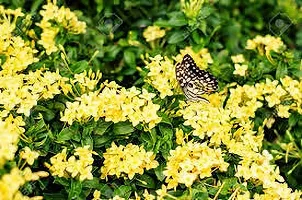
(191, 8)
(161, 193)
(283, 111)
(152, 33)
(29, 155)
(96, 195)
(179, 136)
(238, 58)
(148, 196)
(240, 69)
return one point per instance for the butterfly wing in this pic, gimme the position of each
(194, 81)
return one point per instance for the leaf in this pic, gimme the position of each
(67, 134)
(61, 181)
(123, 191)
(75, 189)
(79, 66)
(101, 140)
(229, 183)
(159, 172)
(52, 196)
(293, 119)
(177, 19)
(281, 71)
(94, 183)
(105, 190)
(205, 11)
(178, 36)
(129, 57)
(101, 127)
(123, 128)
(145, 181)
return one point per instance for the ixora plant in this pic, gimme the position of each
(161, 101)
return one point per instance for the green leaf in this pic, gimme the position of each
(75, 189)
(101, 140)
(54, 196)
(165, 119)
(61, 181)
(79, 66)
(159, 172)
(105, 190)
(67, 134)
(102, 127)
(129, 57)
(94, 183)
(177, 36)
(229, 183)
(281, 71)
(177, 19)
(205, 11)
(293, 119)
(123, 191)
(145, 181)
(123, 128)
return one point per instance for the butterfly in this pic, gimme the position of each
(194, 81)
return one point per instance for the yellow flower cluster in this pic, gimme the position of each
(115, 104)
(127, 161)
(230, 123)
(21, 92)
(202, 58)
(257, 168)
(264, 45)
(191, 8)
(78, 165)
(62, 16)
(161, 75)
(11, 129)
(10, 183)
(19, 54)
(152, 33)
(191, 161)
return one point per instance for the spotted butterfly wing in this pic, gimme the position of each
(194, 81)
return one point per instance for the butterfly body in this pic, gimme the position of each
(194, 81)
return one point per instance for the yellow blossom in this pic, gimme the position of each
(96, 195)
(29, 155)
(240, 69)
(153, 32)
(191, 8)
(238, 58)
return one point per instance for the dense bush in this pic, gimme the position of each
(91, 107)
